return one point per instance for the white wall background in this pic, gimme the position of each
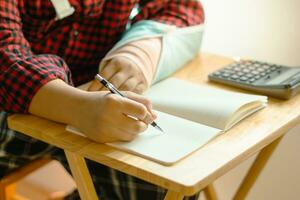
(267, 30)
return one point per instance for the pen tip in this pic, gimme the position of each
(157, 127)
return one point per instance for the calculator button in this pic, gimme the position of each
(260, 69)
(225, 75)
(255, 72)
(243, 78)
(249, 75)
(217, 73)
(246, 70)
(263, 74)
(252, 80)
(237, 69)
(266, 66)
(251, 67)
(257, 77)
(256, 65)
(234, 76)
(268, 70)
(228, 72)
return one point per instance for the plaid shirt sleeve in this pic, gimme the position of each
(21, 72)
(181, 13)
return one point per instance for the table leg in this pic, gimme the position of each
(255, 170)
(210, 193)
(82, 176)
(171, 195)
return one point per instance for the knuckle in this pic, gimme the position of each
(105, 73)
(118, 76)
(111, 100)
(141, 88)
(129, 85)
(107, 69)
(139, 127)
(126, 86)
(117, 79)
(125, 64)
(138, 90)
(120, 62)
(143, 110)
(147, 102)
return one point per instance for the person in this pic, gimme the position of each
(49, 47)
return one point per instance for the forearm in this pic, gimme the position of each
(101, 117)
(58, 101)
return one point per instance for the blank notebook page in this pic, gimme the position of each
(180, 138)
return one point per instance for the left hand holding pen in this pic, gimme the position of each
(123, 74)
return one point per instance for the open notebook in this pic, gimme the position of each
(190, 115)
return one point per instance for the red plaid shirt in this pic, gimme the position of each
(34, 48)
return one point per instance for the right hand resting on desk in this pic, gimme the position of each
(102, 116)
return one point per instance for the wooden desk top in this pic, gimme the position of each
(200, 168)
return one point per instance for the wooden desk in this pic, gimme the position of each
(259, 132)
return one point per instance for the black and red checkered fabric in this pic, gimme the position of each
(35, 48)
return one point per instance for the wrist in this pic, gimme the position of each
(76, 107)
(58, 101)
(81, 106)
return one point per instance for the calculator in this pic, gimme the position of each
(269, 79)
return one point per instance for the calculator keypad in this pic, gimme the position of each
(247, 71)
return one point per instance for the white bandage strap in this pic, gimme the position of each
(62, 8)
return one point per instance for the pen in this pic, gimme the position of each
(114, 90)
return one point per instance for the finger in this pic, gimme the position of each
(118, 79)
(132, 125)
(129, 84)
(146, 102)
(109, 69)
(136, 110)
(107, 138)
(127, 136)
(95, 86)
(140, 88)
(121, 134)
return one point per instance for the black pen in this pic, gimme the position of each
(114, 90)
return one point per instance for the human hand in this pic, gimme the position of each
(106, 117)
(123, 74)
